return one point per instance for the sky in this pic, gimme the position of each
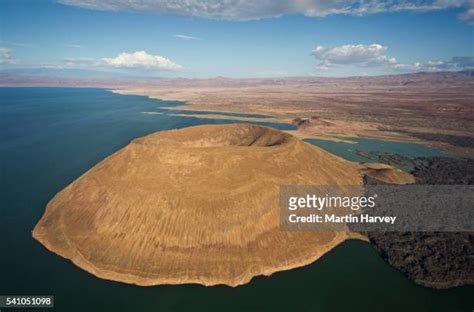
(238, 38)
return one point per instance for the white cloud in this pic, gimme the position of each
(186, 37)
(360, 54)
(75, 46)
(374, 55)
(141, 59)
(5, 56)
(251, 9)
(468, 16)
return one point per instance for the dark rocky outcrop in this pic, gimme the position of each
(432, 259)
(443, 171)
(305, 123)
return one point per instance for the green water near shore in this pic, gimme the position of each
(50, 136)
(349, 151)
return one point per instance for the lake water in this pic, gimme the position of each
(348, 150)
(50, 136)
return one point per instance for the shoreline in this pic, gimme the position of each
(325, 129)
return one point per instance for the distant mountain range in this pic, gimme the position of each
(92, 78)
(67, 77)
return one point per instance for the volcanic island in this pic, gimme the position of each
(194, 205)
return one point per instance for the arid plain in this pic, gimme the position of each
(435, 109)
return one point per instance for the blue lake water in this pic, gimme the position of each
(50, 136)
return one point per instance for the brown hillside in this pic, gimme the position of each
(196, 205)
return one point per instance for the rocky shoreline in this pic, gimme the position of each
(432, 259)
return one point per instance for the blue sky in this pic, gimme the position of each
(236, 40)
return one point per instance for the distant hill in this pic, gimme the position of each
(81, 77)
(67, 77)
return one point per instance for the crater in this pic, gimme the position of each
(194, 205)
(245, 135)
